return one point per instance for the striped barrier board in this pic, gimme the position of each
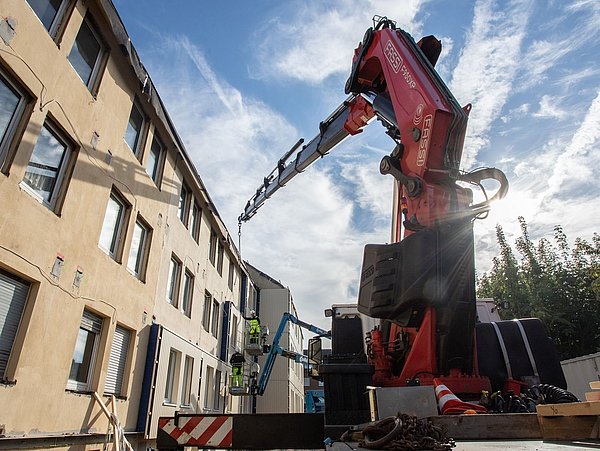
(241, 431)
(199, 430)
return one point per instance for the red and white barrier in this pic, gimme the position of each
(214, 431)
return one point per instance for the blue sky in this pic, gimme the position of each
(243, 80)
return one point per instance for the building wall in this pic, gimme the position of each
(284, 392)
(34, 392)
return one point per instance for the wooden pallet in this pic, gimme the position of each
(570, 421)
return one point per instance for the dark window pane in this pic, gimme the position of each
(82, 357)
(134, 126)
(154, 159)
(46, 10)
(85, 52)
(9, 100)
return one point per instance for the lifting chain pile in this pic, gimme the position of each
(402, 433)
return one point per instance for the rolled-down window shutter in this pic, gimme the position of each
(117, 361)
(13, 294)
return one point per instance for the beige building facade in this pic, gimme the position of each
(117, 275)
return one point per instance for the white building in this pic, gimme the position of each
(285, 390)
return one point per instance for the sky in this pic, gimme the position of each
(244, 80)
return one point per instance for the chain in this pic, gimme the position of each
(403, 433)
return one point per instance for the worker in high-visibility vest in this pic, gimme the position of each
(254, 328)
(237, 361)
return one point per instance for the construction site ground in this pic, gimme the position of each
(516, 445)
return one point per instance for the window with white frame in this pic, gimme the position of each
(184, 204)
(13, 296)
(214, 327)
(113, 227)
(134, 133)
(209, 388)
(87, 55)
(188, 293)
(13, 100)
(50, 12)
(154, 162)
(220, 259)
(172, 376)
(186, 387)
(140, 246)
(212, 253)
(231, 274)
(217, 399)
(174, 280)
(84, 355)
(206, 312)
(234, 332)
(46, 175)
(117, 361)
(195, 221)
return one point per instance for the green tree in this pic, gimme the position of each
(553, 282)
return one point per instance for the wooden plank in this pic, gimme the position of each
(490, 426)
(568, 427)
(595, 385)
(569, 409)
(592, 395)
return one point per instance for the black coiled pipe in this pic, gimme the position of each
(549, 394)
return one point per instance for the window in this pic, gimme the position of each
(87, 55)
(13, 101)
(172, 376)
(231, 274)
(206, 313)
(114, 225)
(212, 254)
(135, 130)
(186, 387)
(117, 362)
(196, 219)
(188, 293)
(209, 388)
(220, 260)
(215, 318)
(46, 172)
(173, 285)
(155, 160)
(184, 204)
(140, 245)
(234, 332)
(13, 295)
(49, 12)
(84, 356)
(217, 403)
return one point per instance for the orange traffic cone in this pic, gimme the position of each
(449, 404)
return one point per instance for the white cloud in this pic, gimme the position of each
(550, 109)
(486, 68)
(515, 113)
(558, 185)
(579, 162)
(320, 41)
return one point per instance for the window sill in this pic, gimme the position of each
(169, 404)
(76, 391)
(119, 397)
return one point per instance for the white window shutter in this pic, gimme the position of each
(117, 361)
